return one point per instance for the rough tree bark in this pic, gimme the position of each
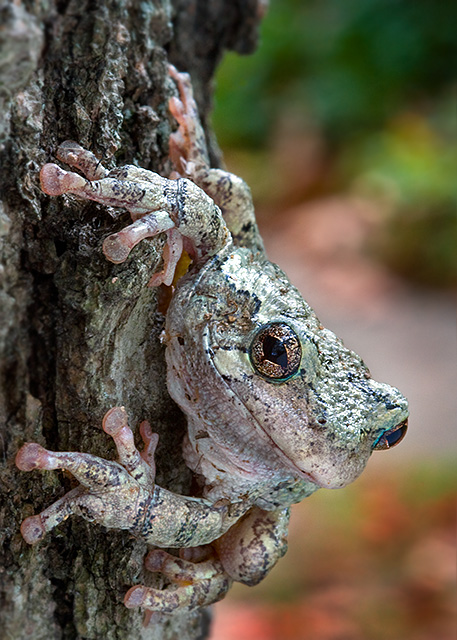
(77, 334)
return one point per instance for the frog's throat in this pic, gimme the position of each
(304, 475)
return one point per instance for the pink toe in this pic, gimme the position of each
(149, 438)
(115, 249)
(135, 596)
(115, 419)
(32, 529)
(55, 181)
(51, 177)
(146, 431)
(69, 150)
(176, 108)
(31, 456)
(155, 560)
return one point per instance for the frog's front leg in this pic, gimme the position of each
(109, 493)
(123, 496)
(179, 208)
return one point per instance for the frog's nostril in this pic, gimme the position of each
(392, 437)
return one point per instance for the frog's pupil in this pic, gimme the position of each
(392, 437)
(275, 351)
(395, 436)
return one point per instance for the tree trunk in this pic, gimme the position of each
(79, 335)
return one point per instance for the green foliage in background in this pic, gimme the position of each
(351, 64)
(376, 79)
(412, 168)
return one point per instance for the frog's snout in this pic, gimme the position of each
(391, 437)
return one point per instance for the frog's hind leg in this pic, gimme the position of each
(189, 154)
(246, 553)
(194, 585)
(188, 143)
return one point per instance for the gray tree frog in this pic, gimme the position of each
(276, 406)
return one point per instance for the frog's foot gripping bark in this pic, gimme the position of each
(178, 208)
(189, 154)
(193, 585)
(187, 145)
(111, 494)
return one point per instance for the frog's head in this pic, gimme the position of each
(308, 393)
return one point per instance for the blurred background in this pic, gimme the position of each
(344, 124)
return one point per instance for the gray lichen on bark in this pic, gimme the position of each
(77, 334)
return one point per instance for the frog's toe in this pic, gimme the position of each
(55, 181)
(116, 249)
(183, 571)
(33, 456)
(33, 529)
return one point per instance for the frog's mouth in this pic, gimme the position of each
(267, 438)
(305, 475)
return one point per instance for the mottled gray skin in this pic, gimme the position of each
(257, 443)
(317, 429)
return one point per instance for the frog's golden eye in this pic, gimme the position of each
(392, 437)
(275, 352)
